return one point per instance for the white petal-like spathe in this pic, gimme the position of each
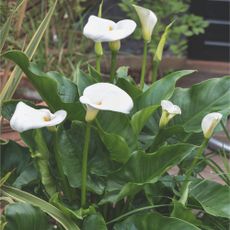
(104, 30)
(170, 107)
(148, 21)
(209, 123)
(106, 96)
(26, 118)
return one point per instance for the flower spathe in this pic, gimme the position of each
(169, 110)
(209, 123)
(148, 21)
(105, 30)
(105, 96)
(26, 118)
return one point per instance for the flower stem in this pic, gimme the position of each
(143, 68)
(98, 63)
(184, 188)
(84, 165)
(113, 65)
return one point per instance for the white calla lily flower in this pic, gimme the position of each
(209, 123)
(169, 110)
(105, 96)
(104, 30)
(148, 21)
(26, 118)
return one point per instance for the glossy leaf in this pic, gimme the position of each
(209, 96)
(94, 221)
(46, 207)
(141, 117)
(70, 144)
(213, 197)
(16, 159)
(153, 221)
(55, 89)
(25, 216)
(16, 75)
(160, 90)
(143, 168)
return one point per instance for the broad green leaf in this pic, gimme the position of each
(213, 197)
(183, 213)
(132, 90)
(153, 221)
(122, 72)
(17, 159)
(55, 89)
(15, 76)
(4, 178)
(141, 117)
(143, 168)
(160, 90)
(209, 96)
(116, 145)
(83, 80)
(24, 216)
(46, 207)
(70, 144)
(119, 124)
(94, 221)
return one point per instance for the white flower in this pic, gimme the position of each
(148, 21)
(26, 118)
(104, 30)
(105, 96)
(169, 111)
(209, 123)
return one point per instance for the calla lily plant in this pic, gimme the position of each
(98, 155)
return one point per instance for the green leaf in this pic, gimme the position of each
(24, 216)
(183, 213)
(94, 221)
(141, 117)
(15, 76)
(17, 159)
(209, 96)
(153, 221)
(122, 72)
(116, 145)
(4, 32)
(119, 124)
(143, 168)
(55, 89)
(160, 90)
(131, 89)
(213, 197)
(70, 144)
(4, 178)
(46, 207)
(83, 80)
(93, 73)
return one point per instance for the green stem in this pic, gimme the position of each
(98, 63)
(184, 188)
(42, 159)
(225, 130)
(155, 71)
(113, 65)
(84, 166)
(135, 211)
(144, 62)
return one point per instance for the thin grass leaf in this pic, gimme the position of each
(51, 210)
(16, 75)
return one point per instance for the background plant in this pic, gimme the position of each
(186, 24)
